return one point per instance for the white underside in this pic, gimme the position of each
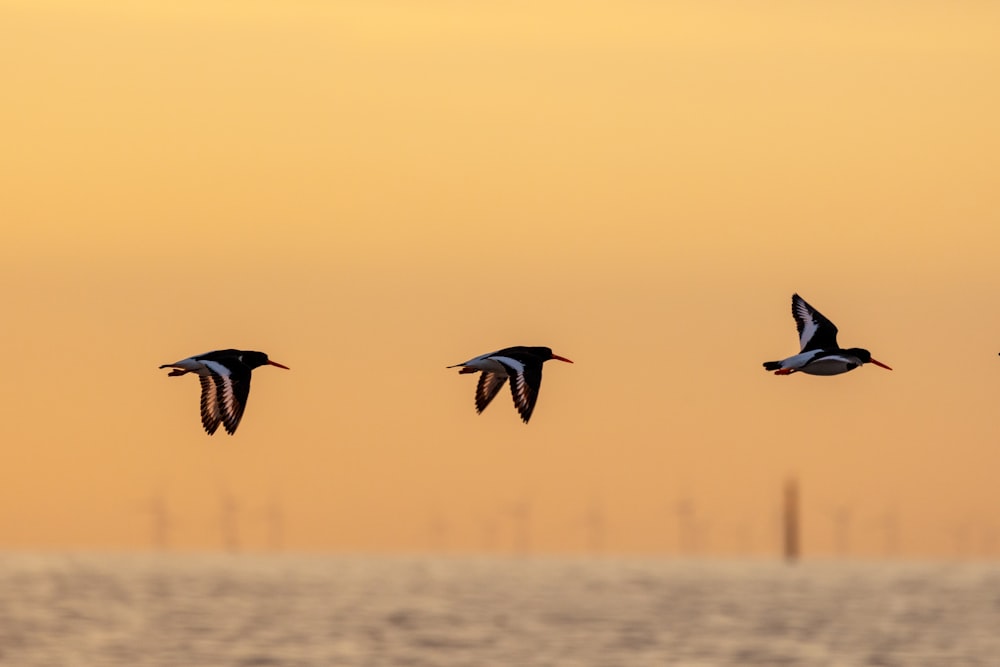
(833, 364)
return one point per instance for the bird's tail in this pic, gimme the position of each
(176, 371)
(465, 369)
(772, 365)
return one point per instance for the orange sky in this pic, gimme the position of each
(370, 191)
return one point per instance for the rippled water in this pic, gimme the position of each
(243, 610)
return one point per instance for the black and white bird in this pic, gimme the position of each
(523, 365)
(820, 354)
(225, 384)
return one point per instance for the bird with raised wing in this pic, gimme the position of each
(225, 384)
(522, 365)
(820, 354)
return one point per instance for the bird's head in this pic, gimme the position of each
(255, 359)
(866, 357)
(545, 353)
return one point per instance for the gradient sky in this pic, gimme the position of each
(370, 191)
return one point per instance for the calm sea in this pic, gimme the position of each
(257, 611)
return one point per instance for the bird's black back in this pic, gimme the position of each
(232, 359)
(526, 354)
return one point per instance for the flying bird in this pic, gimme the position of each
(820, 354)
(523, 365)
(225, 384)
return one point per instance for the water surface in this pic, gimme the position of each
(282, 610)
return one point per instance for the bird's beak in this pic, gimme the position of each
(275, 363)
(879, 363)
(556, 356)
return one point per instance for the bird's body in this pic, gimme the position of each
(521, 365)
(820, 354)
(225, 384)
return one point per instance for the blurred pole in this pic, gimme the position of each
(890, 528)
(489, 528)
(159, 515)
(520, 512)
(687, 537)
(595, 526)
(437, 531)
(275, 524)
(229, 521)
(791, 521)
(841, 517)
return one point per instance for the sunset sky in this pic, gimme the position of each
(371, 191)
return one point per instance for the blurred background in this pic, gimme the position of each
(370, 191)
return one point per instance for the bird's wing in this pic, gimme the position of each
(525, 381)
(815, 331)
(233, 389)
(240, 388)
(486, 390)
(211, 417)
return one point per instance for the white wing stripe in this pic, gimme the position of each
(809, 326)
(799, 360)
(190, 364)
(216, 368)
(840, 358)
(512, 364)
